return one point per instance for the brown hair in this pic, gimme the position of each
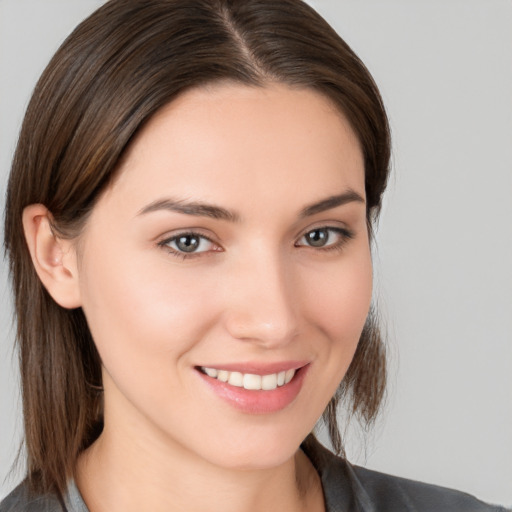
(119, 67)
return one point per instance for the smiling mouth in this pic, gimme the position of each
(250, 381)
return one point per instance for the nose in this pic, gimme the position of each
(262, 304)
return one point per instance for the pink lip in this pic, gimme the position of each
(258, 402)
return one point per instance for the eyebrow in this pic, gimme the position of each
(201, 209)
(191, 208)
(350, 196)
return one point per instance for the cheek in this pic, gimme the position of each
(340, 298)
(337, 306)
(145, 321)
(138, 311)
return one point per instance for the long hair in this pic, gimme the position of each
(111, 75)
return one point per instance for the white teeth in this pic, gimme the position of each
(249, 380)
(211, 372)
(269, 382)
(252, 381)
(223, 375)
(236, 379)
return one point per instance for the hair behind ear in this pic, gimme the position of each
(60, 367)
(61, 404)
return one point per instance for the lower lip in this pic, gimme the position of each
(258, 401)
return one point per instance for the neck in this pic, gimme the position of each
(119, 474)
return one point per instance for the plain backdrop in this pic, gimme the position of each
(444, 245)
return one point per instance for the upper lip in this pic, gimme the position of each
(258, 368)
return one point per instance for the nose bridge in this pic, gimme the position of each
(262, 306)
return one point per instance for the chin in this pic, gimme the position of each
(254, 449)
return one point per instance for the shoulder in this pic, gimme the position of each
(21, 500)
(396, 493)
(354, 488)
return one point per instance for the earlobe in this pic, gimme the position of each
(54, 258)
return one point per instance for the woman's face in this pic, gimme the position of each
(232, 245)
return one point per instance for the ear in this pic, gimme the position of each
(54, 259)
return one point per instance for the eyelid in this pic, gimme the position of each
(333, 224)
(345, 234)
(171, 237)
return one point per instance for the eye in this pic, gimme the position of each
(188, 244)
(325, 238)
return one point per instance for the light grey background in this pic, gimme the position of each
(443, 265)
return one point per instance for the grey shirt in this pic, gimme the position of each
(347, 488)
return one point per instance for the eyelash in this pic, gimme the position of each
(345, 236)
(181, 254)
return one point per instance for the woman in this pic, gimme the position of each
(189, 222)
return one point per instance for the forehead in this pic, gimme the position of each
(220, 141)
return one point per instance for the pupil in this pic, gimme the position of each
(318, 237)
(187, 243)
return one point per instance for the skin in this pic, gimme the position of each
(258, 292)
